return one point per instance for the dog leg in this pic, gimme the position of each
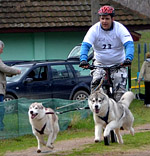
(56, 130)
(132, 131)
(39, 145)
(111, 126)
(119, 137)
(49, 141)
(41, 138)
(98, 132)
(40, 141)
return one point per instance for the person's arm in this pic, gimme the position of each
(85, 47)
(141, 72)
(129, 48)
(8, 70)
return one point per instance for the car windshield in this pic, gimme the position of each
(75, 52)
(16, 78)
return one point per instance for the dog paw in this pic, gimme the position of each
(120, 142)
(50, 146)
(97, 141)
(38, 151)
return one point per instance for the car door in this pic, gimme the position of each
(63, 81)
(37, 83)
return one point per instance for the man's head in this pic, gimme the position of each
(106, 14)
(1, 46)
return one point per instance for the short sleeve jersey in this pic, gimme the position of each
(108, 45)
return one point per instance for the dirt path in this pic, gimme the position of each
(69, 145)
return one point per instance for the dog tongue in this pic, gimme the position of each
(97, 110)
(33, 115)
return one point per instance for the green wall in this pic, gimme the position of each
(39, 46)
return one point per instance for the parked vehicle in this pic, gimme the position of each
(49, 79)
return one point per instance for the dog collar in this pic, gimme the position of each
(42, 130)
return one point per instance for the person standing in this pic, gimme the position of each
(112, 44)
(4, 71)
(145, 73)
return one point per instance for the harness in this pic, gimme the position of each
(42, 130)
(105, 118)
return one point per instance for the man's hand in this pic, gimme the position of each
(127, 62)
(84, 64)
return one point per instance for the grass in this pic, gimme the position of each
(83, 128)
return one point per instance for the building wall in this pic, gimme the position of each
(142, 6)
(39, 46)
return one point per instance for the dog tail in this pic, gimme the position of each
(127, 98)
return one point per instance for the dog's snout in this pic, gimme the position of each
(96, 106)
(31, 112)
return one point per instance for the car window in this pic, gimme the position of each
(61, 72)
(38, 74)
(80, 71)
(16, 78)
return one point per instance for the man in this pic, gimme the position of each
(4, 70)
(112, 44)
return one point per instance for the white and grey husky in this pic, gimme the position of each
(109, 115)
(44, 121)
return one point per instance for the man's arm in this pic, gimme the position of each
(129, 48)
(85, 47)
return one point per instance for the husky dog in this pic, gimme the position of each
(109, 115)
(43, 121)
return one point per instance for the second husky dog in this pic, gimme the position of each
(110, 115)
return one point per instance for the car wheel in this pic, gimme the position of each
(80, 95)
(10, 107)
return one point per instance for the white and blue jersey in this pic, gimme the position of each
(109, 46)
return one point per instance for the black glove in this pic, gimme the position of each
(127, 62)
(83, 63)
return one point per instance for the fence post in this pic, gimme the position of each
(145, 50)
(139, 51)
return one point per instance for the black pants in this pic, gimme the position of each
(147, 93)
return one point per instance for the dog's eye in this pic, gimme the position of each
(99, 100)
(93, 100)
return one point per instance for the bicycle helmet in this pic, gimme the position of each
(106, 10)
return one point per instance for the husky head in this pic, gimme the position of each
(98, 102)
(36, 111)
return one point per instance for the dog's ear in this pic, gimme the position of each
(41, 106)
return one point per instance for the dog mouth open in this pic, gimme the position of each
(96, 109)
(33, 115)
